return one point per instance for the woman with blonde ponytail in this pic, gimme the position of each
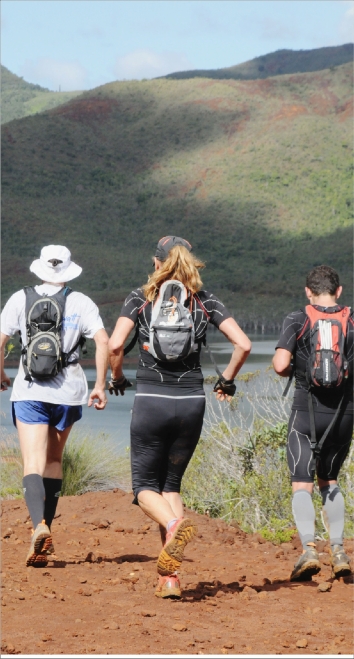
(180, 264)
(170, 400)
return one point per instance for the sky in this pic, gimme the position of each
(80, 44)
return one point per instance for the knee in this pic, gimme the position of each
(330, 492)
(302, 494)
(53, 463)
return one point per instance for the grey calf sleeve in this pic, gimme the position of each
(34, 493)
(304, 515)
(333, 512)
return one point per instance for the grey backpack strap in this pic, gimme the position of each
(31, 297)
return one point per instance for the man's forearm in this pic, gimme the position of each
(101, 365)
(4, 340)
(101, 362)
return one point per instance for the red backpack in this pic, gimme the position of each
(327, 365)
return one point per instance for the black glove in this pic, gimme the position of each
(227, 386)
(119, 386)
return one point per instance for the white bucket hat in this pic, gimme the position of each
(55, 265)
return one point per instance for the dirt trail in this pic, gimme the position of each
(236, 596)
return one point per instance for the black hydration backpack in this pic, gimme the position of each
(42, 356)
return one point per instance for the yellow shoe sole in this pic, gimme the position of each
(35, 556)
(171, 556)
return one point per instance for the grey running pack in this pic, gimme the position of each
(42, 355)
(172, 334)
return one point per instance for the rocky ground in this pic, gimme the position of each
(97, 595)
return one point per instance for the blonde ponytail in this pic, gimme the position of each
(181, 265)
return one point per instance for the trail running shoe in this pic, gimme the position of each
(48, 547)
(169, 586)
(340, 562)
(35, 556)
(307, 565)
(171, 556)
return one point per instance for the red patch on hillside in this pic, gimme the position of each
(323, 102)
(346, 110)
(263, 87)
(239, 124)
(290, 111)
(197, 184)
(208, 83)
(87, 110)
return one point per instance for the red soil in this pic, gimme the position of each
(236, 595)
(87, 110)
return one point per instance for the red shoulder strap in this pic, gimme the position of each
(342, 316)
(143, 307)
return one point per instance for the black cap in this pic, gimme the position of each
(165, 245)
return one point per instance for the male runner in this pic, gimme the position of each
(322, 290)
(44, 411)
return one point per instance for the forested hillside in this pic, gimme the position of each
(277, 63)
(20, 98)
(256, 174)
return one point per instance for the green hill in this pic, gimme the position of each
(20, 98)
(278, 63)
(256, 174)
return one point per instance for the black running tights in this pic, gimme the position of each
(164, 434)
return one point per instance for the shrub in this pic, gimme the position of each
(11, 470)
(239, 470)
(90, 464)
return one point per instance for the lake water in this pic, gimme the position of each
(115, 419)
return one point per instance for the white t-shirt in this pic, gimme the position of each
(81, 318)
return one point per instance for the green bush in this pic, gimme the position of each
(239, 470)
(90, 464)
(11, 470)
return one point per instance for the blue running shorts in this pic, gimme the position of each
(34, 411)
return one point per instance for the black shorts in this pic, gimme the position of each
(334, 450)
(164, 433)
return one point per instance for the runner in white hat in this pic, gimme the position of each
(50, 387)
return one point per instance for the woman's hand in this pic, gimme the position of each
(225, 389)
(221, 396)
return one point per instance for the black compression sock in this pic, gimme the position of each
(52, 488)
(34, 493)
